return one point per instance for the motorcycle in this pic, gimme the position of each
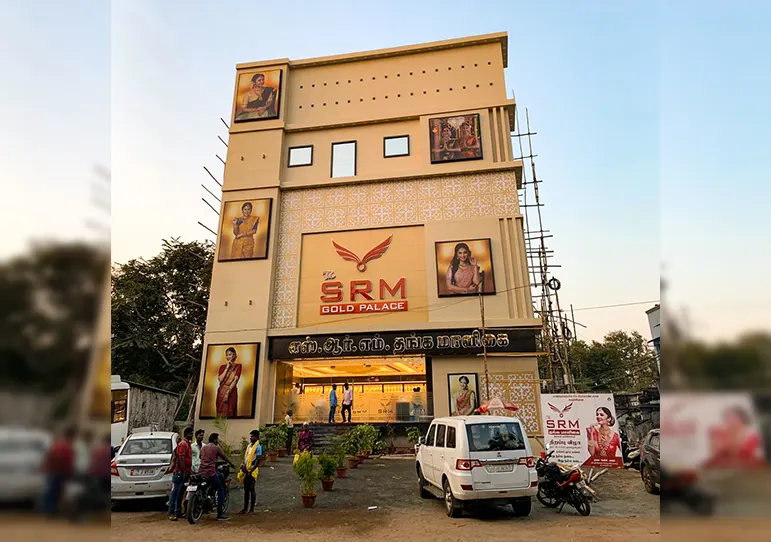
(558, 486)
(202, 494)
(682, 487)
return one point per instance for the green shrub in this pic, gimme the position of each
(328, 466)
(307, 468)
(367, 436)
(338, 449)
(351, 442)
(272, 438)
(413, 435)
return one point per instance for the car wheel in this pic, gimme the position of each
(424, 493)
(451, 504)
(648, 481)
(522, 506)
(113, 505)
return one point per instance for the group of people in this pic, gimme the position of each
(347, 406)
(194, 457)
(77, 457)
(304, 437)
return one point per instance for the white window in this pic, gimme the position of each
(344, 159)
(396, 146)
(301, 156)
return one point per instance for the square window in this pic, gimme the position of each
(344, 159)
(300, 156)
(396, 146)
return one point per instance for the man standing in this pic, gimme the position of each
(249, 468)
(196, 448)
(289, 430)
(181, 466)
(209, 455)
(58, 467)
(347, 402)
(332, 403)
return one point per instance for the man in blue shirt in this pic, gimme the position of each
(332, 403)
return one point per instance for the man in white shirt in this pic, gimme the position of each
(347, 401)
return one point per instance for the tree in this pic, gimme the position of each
(622, 362)
(159, 316)
(49, 299)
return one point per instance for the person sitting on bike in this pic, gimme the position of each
(208, 468)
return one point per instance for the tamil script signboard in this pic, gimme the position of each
(454, 342)
(582, 429)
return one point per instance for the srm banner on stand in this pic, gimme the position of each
(582, 429)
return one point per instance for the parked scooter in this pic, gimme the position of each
(558, 486)
(682, 487)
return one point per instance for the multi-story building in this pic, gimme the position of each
(369, 211)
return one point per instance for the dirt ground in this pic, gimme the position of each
(390, 485)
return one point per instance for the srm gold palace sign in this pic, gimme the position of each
(362, 295)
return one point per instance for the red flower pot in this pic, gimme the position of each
(342, 472)
(309, 500)
(327, 484)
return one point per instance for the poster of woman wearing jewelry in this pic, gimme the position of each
(582, 429)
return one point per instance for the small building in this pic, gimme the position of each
(137, 406)
(654, 322)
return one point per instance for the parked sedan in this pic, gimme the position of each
(650, 461)
(22, 452)
(139, 468)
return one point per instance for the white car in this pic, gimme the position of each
(477, 459)
(22, 453)
(139, 468)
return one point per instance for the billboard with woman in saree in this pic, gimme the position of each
(464, 267)
(245, 229)
(257, 95)
(230, 380)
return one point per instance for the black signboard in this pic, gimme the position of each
(445, 342)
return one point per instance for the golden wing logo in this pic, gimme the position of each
(561, 412)
(361, 264)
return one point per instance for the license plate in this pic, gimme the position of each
(142, 472)
(499, 468)
(192, 488)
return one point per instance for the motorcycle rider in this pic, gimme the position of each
(209, 455)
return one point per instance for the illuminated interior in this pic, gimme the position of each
(381, 386)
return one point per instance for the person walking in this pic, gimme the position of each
(332, 403)
(347, 402)
(249, 471)
(289, 430)
(209, 455)
(180, 468)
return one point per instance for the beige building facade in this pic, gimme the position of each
(370, 209)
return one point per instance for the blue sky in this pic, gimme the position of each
(653, 126)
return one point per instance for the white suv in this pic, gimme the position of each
(477, 458)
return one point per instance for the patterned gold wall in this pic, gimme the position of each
(374, 205)
(521, 388)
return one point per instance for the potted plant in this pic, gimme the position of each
(337, 452)
(391, 434)
(307, 468)
(328, 466)
(271, 439)
(413, 435)
(367, 438)
(351, 447)
(283, 430)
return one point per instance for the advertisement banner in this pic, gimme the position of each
(582, 429)
(710, 430)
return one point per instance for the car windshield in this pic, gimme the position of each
(147, 446)
(493, 437)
